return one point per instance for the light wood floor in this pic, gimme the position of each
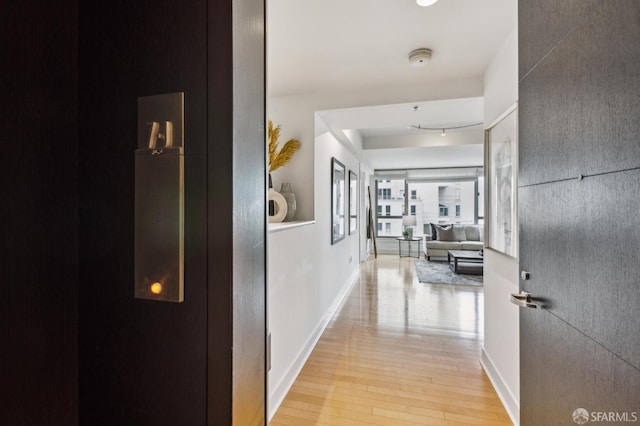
(399, 352)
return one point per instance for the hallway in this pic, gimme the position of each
(398, 352)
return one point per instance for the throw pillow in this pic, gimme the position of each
(434, 231)
(434, 234)
(458, 233)
(445, 234)
(472, 232)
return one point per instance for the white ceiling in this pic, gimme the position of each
(319, 46)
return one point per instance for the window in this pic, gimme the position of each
(436, 202)
(390, 205)
(480, 199)
(429, 201)
(384, 193)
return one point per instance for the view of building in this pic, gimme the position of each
(429, 202)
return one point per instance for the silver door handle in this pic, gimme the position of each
(523, 299)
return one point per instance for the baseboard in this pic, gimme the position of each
(511, 404)
(280, 391)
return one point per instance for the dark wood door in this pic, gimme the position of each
(579, 210)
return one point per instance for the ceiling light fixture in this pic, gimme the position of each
(425, 3)
(420, 57)
(444, 129)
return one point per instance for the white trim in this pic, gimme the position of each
(509, 401)
(500, 118)
(280, 391)
(282, 226)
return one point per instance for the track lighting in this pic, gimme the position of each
(444, 129)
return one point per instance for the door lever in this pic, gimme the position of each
(523, 299)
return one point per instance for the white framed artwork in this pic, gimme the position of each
(501, 163)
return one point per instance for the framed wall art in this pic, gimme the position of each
(353, 202)
(338, 201)
(501, 163)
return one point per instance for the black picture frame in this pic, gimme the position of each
(338, 200)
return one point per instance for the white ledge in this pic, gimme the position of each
(282, 226)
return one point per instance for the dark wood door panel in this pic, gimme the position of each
(580, 240)
(562, 370)
(237, 172)
(557, 17)
(578, 115)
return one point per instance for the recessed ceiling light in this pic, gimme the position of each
(425, 2)
(420, 57)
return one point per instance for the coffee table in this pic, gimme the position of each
(471, 261)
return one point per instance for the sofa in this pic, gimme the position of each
(443, 238)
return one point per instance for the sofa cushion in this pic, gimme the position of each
(472, 233)
(472, 245)
(444, 245)
(434, 229)
(459, 233)
(445, 234)
(434, 234)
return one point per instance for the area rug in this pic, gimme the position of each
(441, 273)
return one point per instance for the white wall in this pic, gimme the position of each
(296, 115)
(501, 352)
(366, 244)
(296, 118)
(308, 277)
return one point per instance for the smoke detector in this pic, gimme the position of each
(420, 57)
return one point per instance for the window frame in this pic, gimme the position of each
(478, 216)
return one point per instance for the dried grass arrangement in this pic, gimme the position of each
(277, 158)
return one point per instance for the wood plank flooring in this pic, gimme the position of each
(398, 352)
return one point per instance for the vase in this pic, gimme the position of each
(272, 206)
(285, 191)
(280, 206)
